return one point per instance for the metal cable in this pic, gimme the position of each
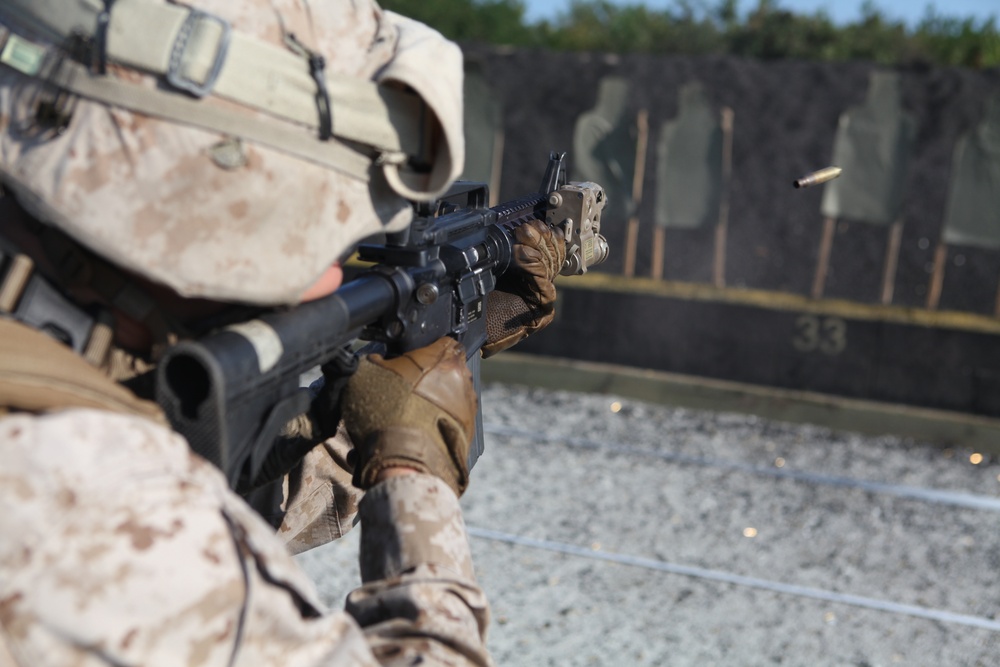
(941, 615)
(937, 496)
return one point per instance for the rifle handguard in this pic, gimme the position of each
(524, 300)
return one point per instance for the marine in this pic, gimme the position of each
(169, 169)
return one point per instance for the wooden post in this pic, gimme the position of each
(721, 229)
(823, 261)
(937, 277)
(891, 261)
(496, 168)
(719, 262)
(631, 241)
(632, 235)
(996, 307)
(659, 235)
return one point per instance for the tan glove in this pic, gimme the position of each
(417, 411)
(525, 297)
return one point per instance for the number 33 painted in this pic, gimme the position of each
(826, 334)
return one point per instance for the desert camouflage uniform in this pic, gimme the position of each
(121, 547)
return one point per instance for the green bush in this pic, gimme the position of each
(692, 27)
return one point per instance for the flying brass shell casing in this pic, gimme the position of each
(817, 177)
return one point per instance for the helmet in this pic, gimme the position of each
(203, 169)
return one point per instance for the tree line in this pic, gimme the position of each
(693, 27)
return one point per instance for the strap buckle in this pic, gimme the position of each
(15, 280)
(175, 74)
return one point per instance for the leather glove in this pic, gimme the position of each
(524, 300)
(417, 410)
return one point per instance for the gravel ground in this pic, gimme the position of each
(612, 532)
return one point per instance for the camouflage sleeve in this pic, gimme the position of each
(419, 598)
(118, 546)
(318, 501)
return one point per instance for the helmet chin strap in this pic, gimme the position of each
(40, 295)
(29, 298)
(45, 302)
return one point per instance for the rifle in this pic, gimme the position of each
(230, 392)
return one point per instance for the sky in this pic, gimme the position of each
(844, 11)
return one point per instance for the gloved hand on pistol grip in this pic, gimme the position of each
(524, 300)
(415, 411)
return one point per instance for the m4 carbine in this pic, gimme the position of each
(230, 392)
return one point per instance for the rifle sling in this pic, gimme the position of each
(39, 374)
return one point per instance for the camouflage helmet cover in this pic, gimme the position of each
(223, 218)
